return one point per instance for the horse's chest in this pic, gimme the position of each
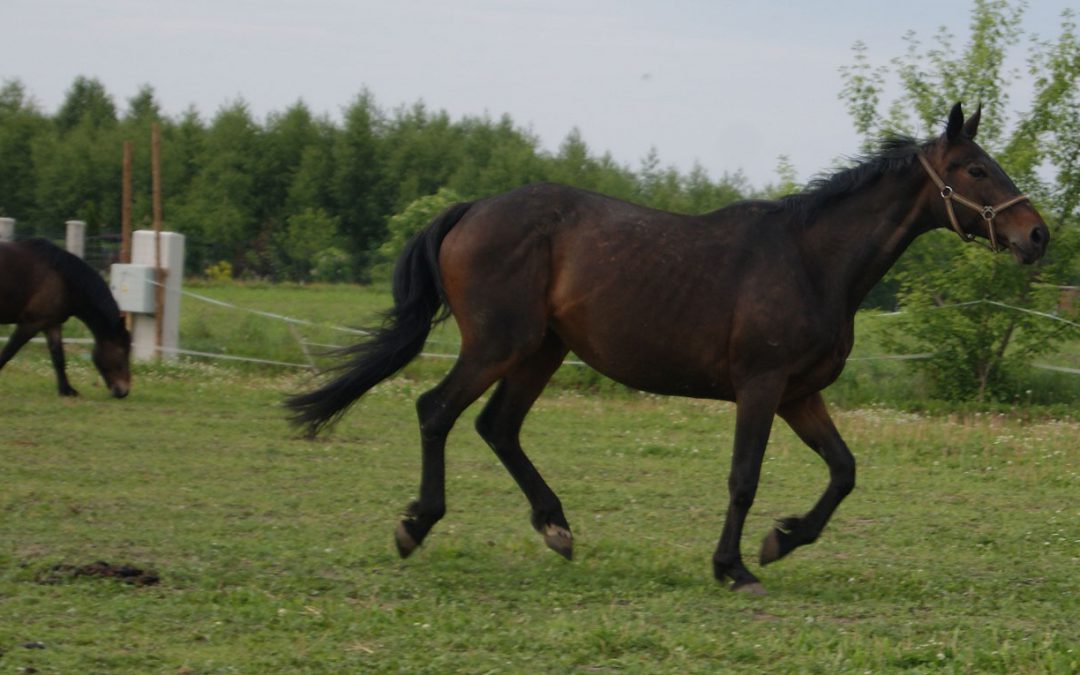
(823, 358)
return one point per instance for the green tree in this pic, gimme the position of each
(244, 192)
(573, 165)
(497, 157)
(360, 187)
(282, 146)
(312, 182)
(77, 168)
(142, 112)
(404, 225)
(219, 213)
(311, 247)
(86, 102)
(980, 346)
(423, 150)
(20, 123)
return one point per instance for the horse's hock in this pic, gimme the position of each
(139, 291)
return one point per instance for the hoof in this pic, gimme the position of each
(771, 550)
(405, 543)
(560, 540)
(750, 588)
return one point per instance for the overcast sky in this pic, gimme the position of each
(729, 84)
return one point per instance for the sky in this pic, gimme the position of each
(730, 85)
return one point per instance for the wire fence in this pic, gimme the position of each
(310, 365)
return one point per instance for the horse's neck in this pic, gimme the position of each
(100, 323)
(857, 239)
(97, 323)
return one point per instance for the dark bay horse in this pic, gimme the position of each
(41, 286)
(753, 303)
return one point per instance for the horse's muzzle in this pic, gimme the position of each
(1033, 247)
(120, 390)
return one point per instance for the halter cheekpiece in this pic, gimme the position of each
(987, 211)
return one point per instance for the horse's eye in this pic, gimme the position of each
(977, 171)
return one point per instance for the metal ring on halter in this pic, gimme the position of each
(988, 213)
(946, 192)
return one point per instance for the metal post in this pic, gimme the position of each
(125, 207)
(155, 174)
(7, 229)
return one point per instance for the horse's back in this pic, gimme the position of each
(645, 296)
(30, 290)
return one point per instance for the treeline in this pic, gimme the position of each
(297, 196)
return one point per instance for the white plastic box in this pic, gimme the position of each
(133, 287)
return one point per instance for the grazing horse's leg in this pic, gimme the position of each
(19, 337)
(756, 404)
(56, 351)
(500, 423)
(437, 410)
(810, 419)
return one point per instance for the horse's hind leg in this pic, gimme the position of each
(810, 419)
(500, 423)
(56, 352)
(437, 410)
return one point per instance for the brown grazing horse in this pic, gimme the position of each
(753, 303)
(41, 286)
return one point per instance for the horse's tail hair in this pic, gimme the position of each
(419, 303)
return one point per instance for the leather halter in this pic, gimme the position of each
(987, 211)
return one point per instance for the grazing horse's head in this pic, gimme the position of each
(112, 357)
(977, 198)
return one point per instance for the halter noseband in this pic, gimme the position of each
(987, 211)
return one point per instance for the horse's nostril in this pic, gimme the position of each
(1036, 236)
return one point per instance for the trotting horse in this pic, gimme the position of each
(41, 286)
(753, 303)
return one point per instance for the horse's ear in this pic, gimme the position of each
(971, 126)
(956, 123)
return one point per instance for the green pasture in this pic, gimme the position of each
(957, 552)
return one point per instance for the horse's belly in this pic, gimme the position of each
(9, 311)
(669, 364)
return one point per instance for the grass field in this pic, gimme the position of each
(958, 551)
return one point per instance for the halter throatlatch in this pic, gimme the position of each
(987, 211)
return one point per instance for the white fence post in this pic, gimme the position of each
(7, 229)
(144, 326)
(75, 238)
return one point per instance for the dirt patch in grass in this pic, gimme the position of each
(126, 573)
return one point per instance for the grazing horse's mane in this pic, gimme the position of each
(103, 316)
(895, 153)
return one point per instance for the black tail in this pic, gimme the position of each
(418, 297)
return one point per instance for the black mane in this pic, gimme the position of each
(98, 306)
(895, 153)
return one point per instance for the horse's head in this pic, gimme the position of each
(977, 198)
(112, 358)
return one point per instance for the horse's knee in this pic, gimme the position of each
(741, 493)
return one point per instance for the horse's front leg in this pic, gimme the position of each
(56, 352)
(756, 404)
(809, 418)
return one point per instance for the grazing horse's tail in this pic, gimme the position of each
(418, 298)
